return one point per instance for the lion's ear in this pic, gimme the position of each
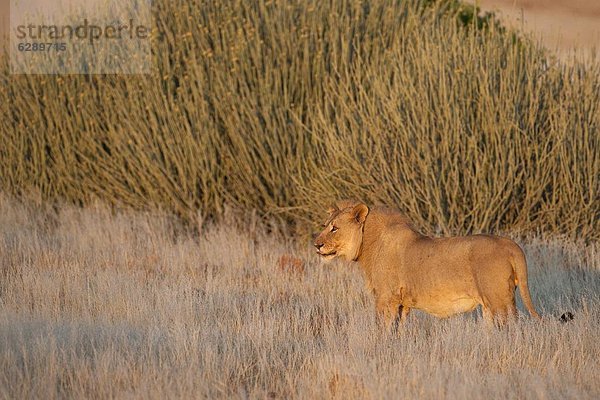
(360, 212)
(332, 210)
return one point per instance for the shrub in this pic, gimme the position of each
(283, 107)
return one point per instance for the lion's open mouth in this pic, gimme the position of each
(327, 254)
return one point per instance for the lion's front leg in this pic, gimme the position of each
(388, 313)
(400, 319)
(403, 311)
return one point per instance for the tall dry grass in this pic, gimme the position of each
(282, 107)
(95, 304)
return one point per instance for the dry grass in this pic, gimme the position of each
(282, 107)
(101, 305)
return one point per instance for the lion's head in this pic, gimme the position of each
(343, 231)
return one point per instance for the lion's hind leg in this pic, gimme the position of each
(499, 313)
(498, 300)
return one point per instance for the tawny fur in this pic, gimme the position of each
(441, 276)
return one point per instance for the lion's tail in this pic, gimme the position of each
(519, 264)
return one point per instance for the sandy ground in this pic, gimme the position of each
(563, 25)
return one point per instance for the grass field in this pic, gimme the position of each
(97, 304)
(143, 218)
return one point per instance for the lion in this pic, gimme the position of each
(442, 276)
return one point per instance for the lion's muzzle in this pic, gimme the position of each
(319, 245)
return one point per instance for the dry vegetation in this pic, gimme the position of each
(101, 305)
(282, 107)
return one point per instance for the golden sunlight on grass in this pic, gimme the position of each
(102, 304)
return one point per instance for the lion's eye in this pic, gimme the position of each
(334, 229)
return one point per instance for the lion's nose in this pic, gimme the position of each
(318, 245)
